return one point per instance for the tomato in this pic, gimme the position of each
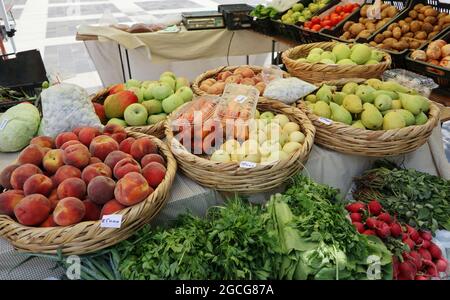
(325, 23)
(327, 27)
(348, 7)
(308, 24)
(339, 9)
(327, 17)
(335, 20)
(345, 15)
(333, 15)
(355, 8)
(316, 27)
(315, 20)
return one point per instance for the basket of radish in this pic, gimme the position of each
(415, 256)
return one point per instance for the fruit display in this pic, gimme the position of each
(331, 19)
(422, 23)
(373, 105)
(365, 26)
(300, 13)
(139, 103)
(437, 53)
(80, 176)
(262, 12)
(343, 54)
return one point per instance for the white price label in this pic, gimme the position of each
(111, 221)
(325, 121)
(247, 164)
(3, 124)
(240, 99)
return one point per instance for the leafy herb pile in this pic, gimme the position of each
(418, 199)
(7, 95)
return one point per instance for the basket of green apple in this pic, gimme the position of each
(370, 117)
(142, 106)
(257, 153)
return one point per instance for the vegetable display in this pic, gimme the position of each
(330, 20)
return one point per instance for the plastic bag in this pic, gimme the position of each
(65, 107)
(282, 5)
(271, 73)
(288, 90)
(422, 84)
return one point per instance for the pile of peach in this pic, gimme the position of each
(80, 176)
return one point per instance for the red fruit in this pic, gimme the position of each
(308, 24)
(359, 226)
(385, 217)
(338, 9)
(426, 235)
(432, 271)
(417, 258)
(316, 27)
(315, 20)
(410, 243)
(383, 230)
(355, 217)
(355, 207)
(421, 277)
(369, 232)
(407, 270)
(371, 223)
(441, 265)
(374, 207)
(435, 251)
(396, 230)
(426, 244)
(425, 253)
(413, 234)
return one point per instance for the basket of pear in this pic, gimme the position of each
(370, 117)
(324, 61)
(245, 156)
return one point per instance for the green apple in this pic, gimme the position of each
(169, 81)
(231, 146)
(117, 121)
(267, 115)
(148, 91)
(170, 74)
(180, 82)
(153, 119)
(171, 103)
(161, 91)
(133, 83)
(146, 83)
(220, 156)
(138, 92)
(185, 93)
(281, 119)
(153, 106)
(136, 114)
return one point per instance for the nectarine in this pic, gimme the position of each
(65, 137)
(5, 176)
(132, 189)
(32, 210)
(38, 184)
(101, 189)
(9, 200)
(102, 145)
(69, 211)
(22, 173)
(154, 173)
(72, 187)
(94, 170)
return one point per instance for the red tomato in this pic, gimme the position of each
(338, 9)
(327, 27)
(316, 27)
(342, 13)
(308, 24)
(327, 17)
(345, 15)
(348, 7)
(325, 23)
(335, 20)
(333, 15)
(315, 20)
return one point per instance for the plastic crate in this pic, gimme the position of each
(399, 57)
(263, 25)
(439, 74)
(236, 15)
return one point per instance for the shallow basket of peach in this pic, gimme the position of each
(56, 193)
(238, 176)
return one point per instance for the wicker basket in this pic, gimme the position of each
(88, 237)
(156, 130)
(317, 73)
(377, 143)
(212, 73)
(230, 177)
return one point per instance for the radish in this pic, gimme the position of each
(371, 223)
(413, 234)
(425, 254)
(375, 207)
(359, 226)
(421, 277)
(385, 217)
(417, 259)
(426, 235)
(384, 230)
(410, 243)
(407, 270)
(356, 217)
(435, 251)
(369, 232)
(426, 244)
(355, 207)
(431, 268)
(441, 265)
(396, 229)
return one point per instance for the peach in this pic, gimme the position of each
(261, 86)
(125, 166)
(69, 143)
(248, 81)
(101, 189)
(154, 173)
(92, 211)
(32, 210)
(72, 187)
(116, 104)
(100, 111)
(111, 207)
(102, 145)
(65, 137)
(38, 184)
(49, 222)
(69, 211)
(244, 71)
(33, 154)
(9, 200)
(234, 79)
(5, 176)
(53, 198)
(94, 170)
(77, 156)
(114, 157)
(125, 145)
(64, 173)
(142, 147)
(45, 150)
(21, 174)
(53, 160)
(132, 189)
(94, 160)
(224, 75)
(115, 131)
(43, 141)
(152, 157)
(87, 134)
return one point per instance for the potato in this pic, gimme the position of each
(414, 44)
(430, 12)
(362, 20)
(391, 11)
(400, 45)
(418, 6)
(432, 35)
(373, 43)
(446, 19)
(405, 28)
(431, 20)
(441, 15)
(384, 6)
(421, 35)
(384, 13)
(437, 28)
(347, 25)
(364, 34)
(389, 42)
(380, 24)
(371, 27)
(392, 26)
(424, 8)
(421, 17)
(363, 11)
(413, 14)
(415, 26)
(397, 33)
(427, 27)
(356, 28)
(346, 35)
(433, 51)
(409, 34)
(379, 38)
(387, 34)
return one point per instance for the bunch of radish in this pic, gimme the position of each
(422, 261)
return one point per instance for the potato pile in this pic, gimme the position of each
(365, 26)
(422, 24)
(437, 53)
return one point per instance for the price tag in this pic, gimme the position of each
(247, 165)
(3, 124)
(240, 99)
(111, 221)
(325, 121)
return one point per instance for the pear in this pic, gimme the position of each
(353, 104)
(340, 114)
(302, 60)
(373, 82)
(383, 102)
(393, 95)
(393, 120)
(376, 55)
(327, 61)
(358, 124)
(322, 109)
(313, 58)
(421, 119)
(411, 103)
(371, 62)
(407, 116)
(310, 105)
(425, 104)
(371, 117)
(316, 51)
(338, 97)
(360, 53)
(365, 92)
(396, 104)
(311, 98)
(328, 55)
(346, 61)
(394, 87)
(324, 94)
(349, 88)
(341, 51)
